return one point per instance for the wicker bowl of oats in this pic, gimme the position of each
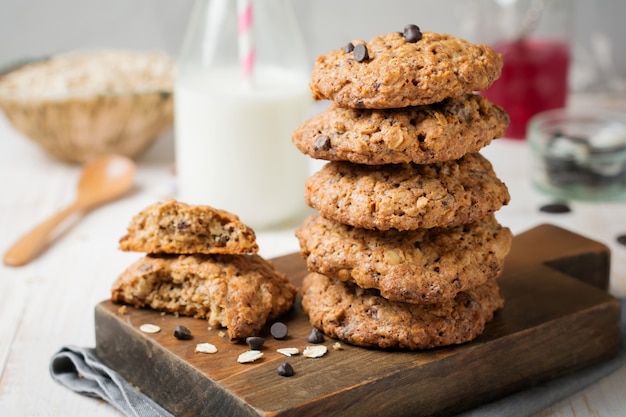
(80, 105)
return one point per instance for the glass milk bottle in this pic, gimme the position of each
(241, 90)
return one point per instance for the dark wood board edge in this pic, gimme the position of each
(577, 256)
(422, 390)
(178, 384)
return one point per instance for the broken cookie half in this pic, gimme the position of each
(239, 292)
(175, 227)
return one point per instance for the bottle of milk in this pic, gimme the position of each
(241, 90)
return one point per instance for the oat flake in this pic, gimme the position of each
(149, 328)
(315, 351)
(288, 351)
(206, 348)
(249, 356)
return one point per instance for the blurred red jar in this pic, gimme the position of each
(534, 78)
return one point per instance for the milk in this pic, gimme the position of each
(233, 143)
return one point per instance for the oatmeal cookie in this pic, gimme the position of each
(362, 317)
(398, 73)
(178, 228)
(423, 135)
(406, 196)
(422, 266)
(239, 292)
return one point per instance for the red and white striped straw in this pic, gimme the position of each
(245, 41)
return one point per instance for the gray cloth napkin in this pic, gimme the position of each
(80, 370)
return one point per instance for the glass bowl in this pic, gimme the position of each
(579, 154)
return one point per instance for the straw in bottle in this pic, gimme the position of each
(245, 41)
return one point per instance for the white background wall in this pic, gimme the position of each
(34, 28)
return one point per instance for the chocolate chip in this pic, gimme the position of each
(182, 225)
(555, 208)
(182, 333)
(360, 53)
(284, 369)
(621, 239)
(348, 48)
(255, 342)
(412, 33)
(315, 336)
(279, 330)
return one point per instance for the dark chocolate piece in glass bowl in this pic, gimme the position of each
(579, 155)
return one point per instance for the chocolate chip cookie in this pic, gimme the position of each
(423, 135)
(391, 71)
(362, 317)
(239, 292)
(406, 196)
(422, 266)
(175, 227)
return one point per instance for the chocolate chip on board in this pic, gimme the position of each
(360, 53)
(621, 239)
(348, 48)
(279, 330)
(285, 369)
(555, 208)
(255, 342)
(315, 336)
(182, 333)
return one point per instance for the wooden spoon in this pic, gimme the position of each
(102, 180)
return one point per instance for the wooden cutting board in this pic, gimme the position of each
(558, 319)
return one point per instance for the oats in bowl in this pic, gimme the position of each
(80, 105)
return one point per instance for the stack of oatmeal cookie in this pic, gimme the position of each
(405, 251)
(201, 262)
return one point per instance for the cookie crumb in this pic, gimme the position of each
(337, 346)
(122, 310)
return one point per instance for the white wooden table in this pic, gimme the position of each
(49, 303)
